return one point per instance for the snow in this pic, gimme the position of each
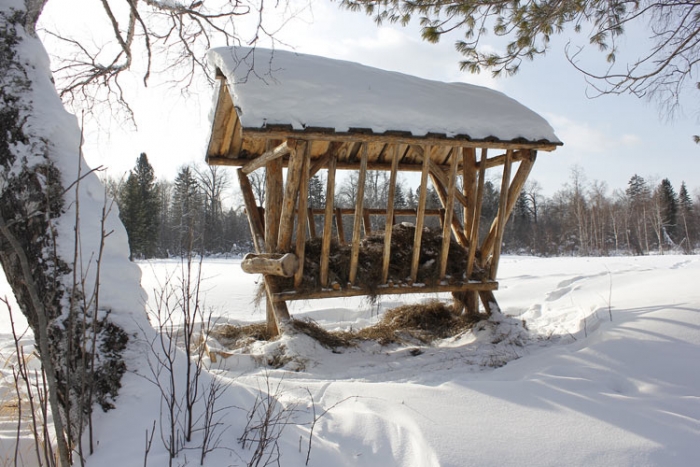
(606, 372)
(306, 91)
(56, 134)
(574, 388)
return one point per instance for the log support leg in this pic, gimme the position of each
(489, 301)
(466, 303)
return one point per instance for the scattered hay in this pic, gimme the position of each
(406, 325)
(235, 337)
(331, 340)
(424, 322)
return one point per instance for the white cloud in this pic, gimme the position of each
(586, 138)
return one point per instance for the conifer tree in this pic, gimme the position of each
(668, 208)
(638, 198)
(686, 218)
(139, 209)
(317, 192)
(186, 209)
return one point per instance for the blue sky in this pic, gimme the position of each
(610, 138)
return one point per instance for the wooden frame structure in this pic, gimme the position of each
(281, 227)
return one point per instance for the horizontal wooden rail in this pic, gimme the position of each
(383, 166)
(387, 290)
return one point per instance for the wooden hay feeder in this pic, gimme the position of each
(279, 110)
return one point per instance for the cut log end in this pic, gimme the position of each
(271, 264)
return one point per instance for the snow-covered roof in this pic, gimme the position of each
(282, 88)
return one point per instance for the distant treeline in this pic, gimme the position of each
(166, 218)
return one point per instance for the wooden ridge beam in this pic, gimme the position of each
(364, 137)
(383, 166)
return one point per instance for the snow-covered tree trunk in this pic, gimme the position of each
(45, 190)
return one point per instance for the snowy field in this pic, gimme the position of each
(606, 373)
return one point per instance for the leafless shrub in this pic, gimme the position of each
(177, 363)
(30, 391)
(267, 419)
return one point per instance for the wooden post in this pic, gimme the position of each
(439, 174)
(278, 312)
(469, 188)
(489, 301)
(291, 193)
(475, 223)
(367, 222)
(389, 218)
(339, 226)
(302, 215)
(253, 214)
(516, 187)
(502, 211)
(273, 204)
(420, 215)
(457, 227)
(449, 211)
(328, 221)
(359, 206)
(469, 298)
(312, 222)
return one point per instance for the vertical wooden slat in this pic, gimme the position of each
(449, 211)
(278, 312)
(312, 222)
(474, 237)
(366, 222)
(302, 215)
(253, 214)
(469, 188)
(328, 221)
(457, 227)
(502, 209)
(389, 219)
(274, 192)
(291, 193)
(359, 206)
(515, 188)
(420, 215)
(339, 226)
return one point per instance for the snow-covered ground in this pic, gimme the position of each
(606, 374)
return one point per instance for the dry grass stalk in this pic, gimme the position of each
(407, 324)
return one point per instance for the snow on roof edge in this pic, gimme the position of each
(277, 87)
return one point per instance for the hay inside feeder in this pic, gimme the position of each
(371, 254)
